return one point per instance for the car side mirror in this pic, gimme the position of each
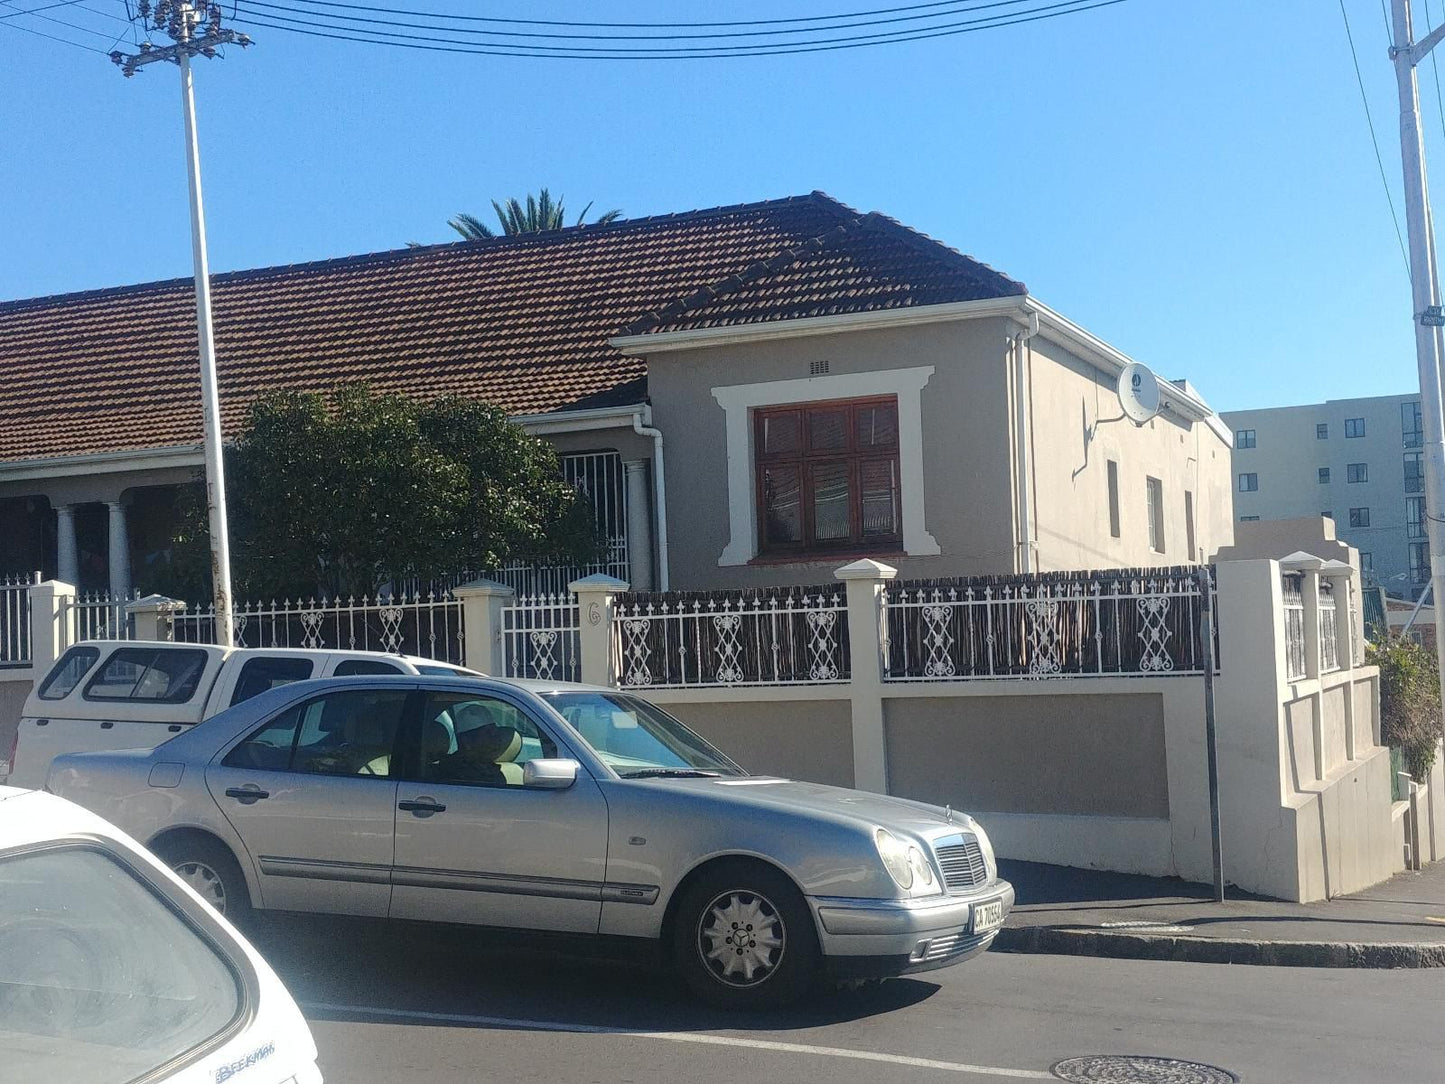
(554, 773)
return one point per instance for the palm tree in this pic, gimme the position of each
(539, 213)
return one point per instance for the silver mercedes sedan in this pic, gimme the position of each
(555, 807)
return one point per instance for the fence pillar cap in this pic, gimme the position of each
(1300, 561)
(483, 588)
(598, 581)
(1335, 567)
(156, 602)
(57, 585)
(866, 569)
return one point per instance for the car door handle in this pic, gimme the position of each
(247, 795)
(421, 806)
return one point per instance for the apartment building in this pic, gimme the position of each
(1358, 461)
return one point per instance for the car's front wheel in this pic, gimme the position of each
(211, 870)
(743, 937)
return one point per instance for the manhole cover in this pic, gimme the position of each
(1127, 1069)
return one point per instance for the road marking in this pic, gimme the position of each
(1432, 918)
(681, 1037)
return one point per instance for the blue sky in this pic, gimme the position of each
(1192, 180)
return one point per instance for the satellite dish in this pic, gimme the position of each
(1138, 393)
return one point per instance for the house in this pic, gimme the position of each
(1359, 462)
(751, 395)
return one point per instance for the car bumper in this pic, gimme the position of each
(871, 938)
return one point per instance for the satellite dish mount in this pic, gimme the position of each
(1138, 392)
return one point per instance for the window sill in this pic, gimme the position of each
(826, 557)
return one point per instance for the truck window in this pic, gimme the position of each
(65, 675)
(359, 667)
(259, 675)
(100, 979)
(160, 675)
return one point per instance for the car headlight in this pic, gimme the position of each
(894, 853)
(922, 870)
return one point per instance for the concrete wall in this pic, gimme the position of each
(14, 688)
(1076, 430)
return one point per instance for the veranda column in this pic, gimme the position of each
(595, 598)
(639, 525)
(67, 557)
(865, 582)
(119, 558)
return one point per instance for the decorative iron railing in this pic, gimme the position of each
(772, 636)
(100, 616)
(1329, 628)
(541, 638)
(15, 619)
(1137, 622)
(534, 577)
(427, 625)
(1292, 585)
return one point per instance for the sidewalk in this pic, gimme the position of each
(1074, 912)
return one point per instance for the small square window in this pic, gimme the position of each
(1354, 427)
(1248, 483)
(1359, 517)
(1322, 431)
(1357, 472)
(1324, 476)
(1244, 438)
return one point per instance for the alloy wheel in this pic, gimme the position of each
(741, 938)
(205, 881)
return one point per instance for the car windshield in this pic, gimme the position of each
(636, 739)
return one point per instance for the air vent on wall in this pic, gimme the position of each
(817, 368)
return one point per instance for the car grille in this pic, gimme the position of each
(941, 948)
(963, 865)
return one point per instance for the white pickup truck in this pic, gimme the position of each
(135, 694)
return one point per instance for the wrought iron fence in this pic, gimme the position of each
(99, 616)
(1329, 628)
(534, 577)
(15, 619)
(773, 636)
(428, 625)
(541, 638)
(1292, 584)
(1093, 624)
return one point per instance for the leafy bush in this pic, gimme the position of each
(1409, 701)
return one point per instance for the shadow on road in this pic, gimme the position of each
(351, 965)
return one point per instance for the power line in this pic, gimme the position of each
(58, 22)
(451, 45)
(1435, 68)
(52, 37)
(1374, 139)
(33, 11)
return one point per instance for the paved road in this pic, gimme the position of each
(390, 1004)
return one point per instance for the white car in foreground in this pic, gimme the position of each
(112, 970)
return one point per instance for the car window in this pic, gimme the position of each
(260, 674)
(163, 675)
(356, 667)
(343, 733)
(480, 740)
(100, 980)
(636, 738)
(66, 674)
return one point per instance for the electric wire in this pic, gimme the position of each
(1374, 139)
(450, 45)
(34, 11)
(52, 37)
(58, 22)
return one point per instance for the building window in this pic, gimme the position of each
(1244, 438)
(1357, 472)
(1189, 523)
(1414, 473)
(1324, 476)
(1414, 517)
(1113, 471)
(1248, 483)
(1419, 562)
(1411, 429)
(1322, 431)
(1155, 490)
(1359, 517)
(828, 476)
(1367, 562)
(1354, 427)
(1248, 519)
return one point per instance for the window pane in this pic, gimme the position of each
(100, 981)
(828, 430)
(879, 482)
(878, 425)
(167, 675)
(354, 667)
(65, 677)
(268, 749)
(349, 733)
(782, 505)
(478, 739)
(260, 675)
(832, 503)
(781, 433)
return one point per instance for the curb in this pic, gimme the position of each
(1060, 941)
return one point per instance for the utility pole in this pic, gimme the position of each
(198, 31)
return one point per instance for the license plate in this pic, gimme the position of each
(987, 916)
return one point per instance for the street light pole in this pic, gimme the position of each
(182, 21)
(1425, 291)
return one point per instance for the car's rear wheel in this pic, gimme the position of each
(208, 868)
(743, 937)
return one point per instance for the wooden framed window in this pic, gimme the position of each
(827, 476)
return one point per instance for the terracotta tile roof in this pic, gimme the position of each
(520, 322)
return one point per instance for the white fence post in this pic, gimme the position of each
(865, 582)
(51, 629)
(482, 602)
(596, 596)
(152, 616)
